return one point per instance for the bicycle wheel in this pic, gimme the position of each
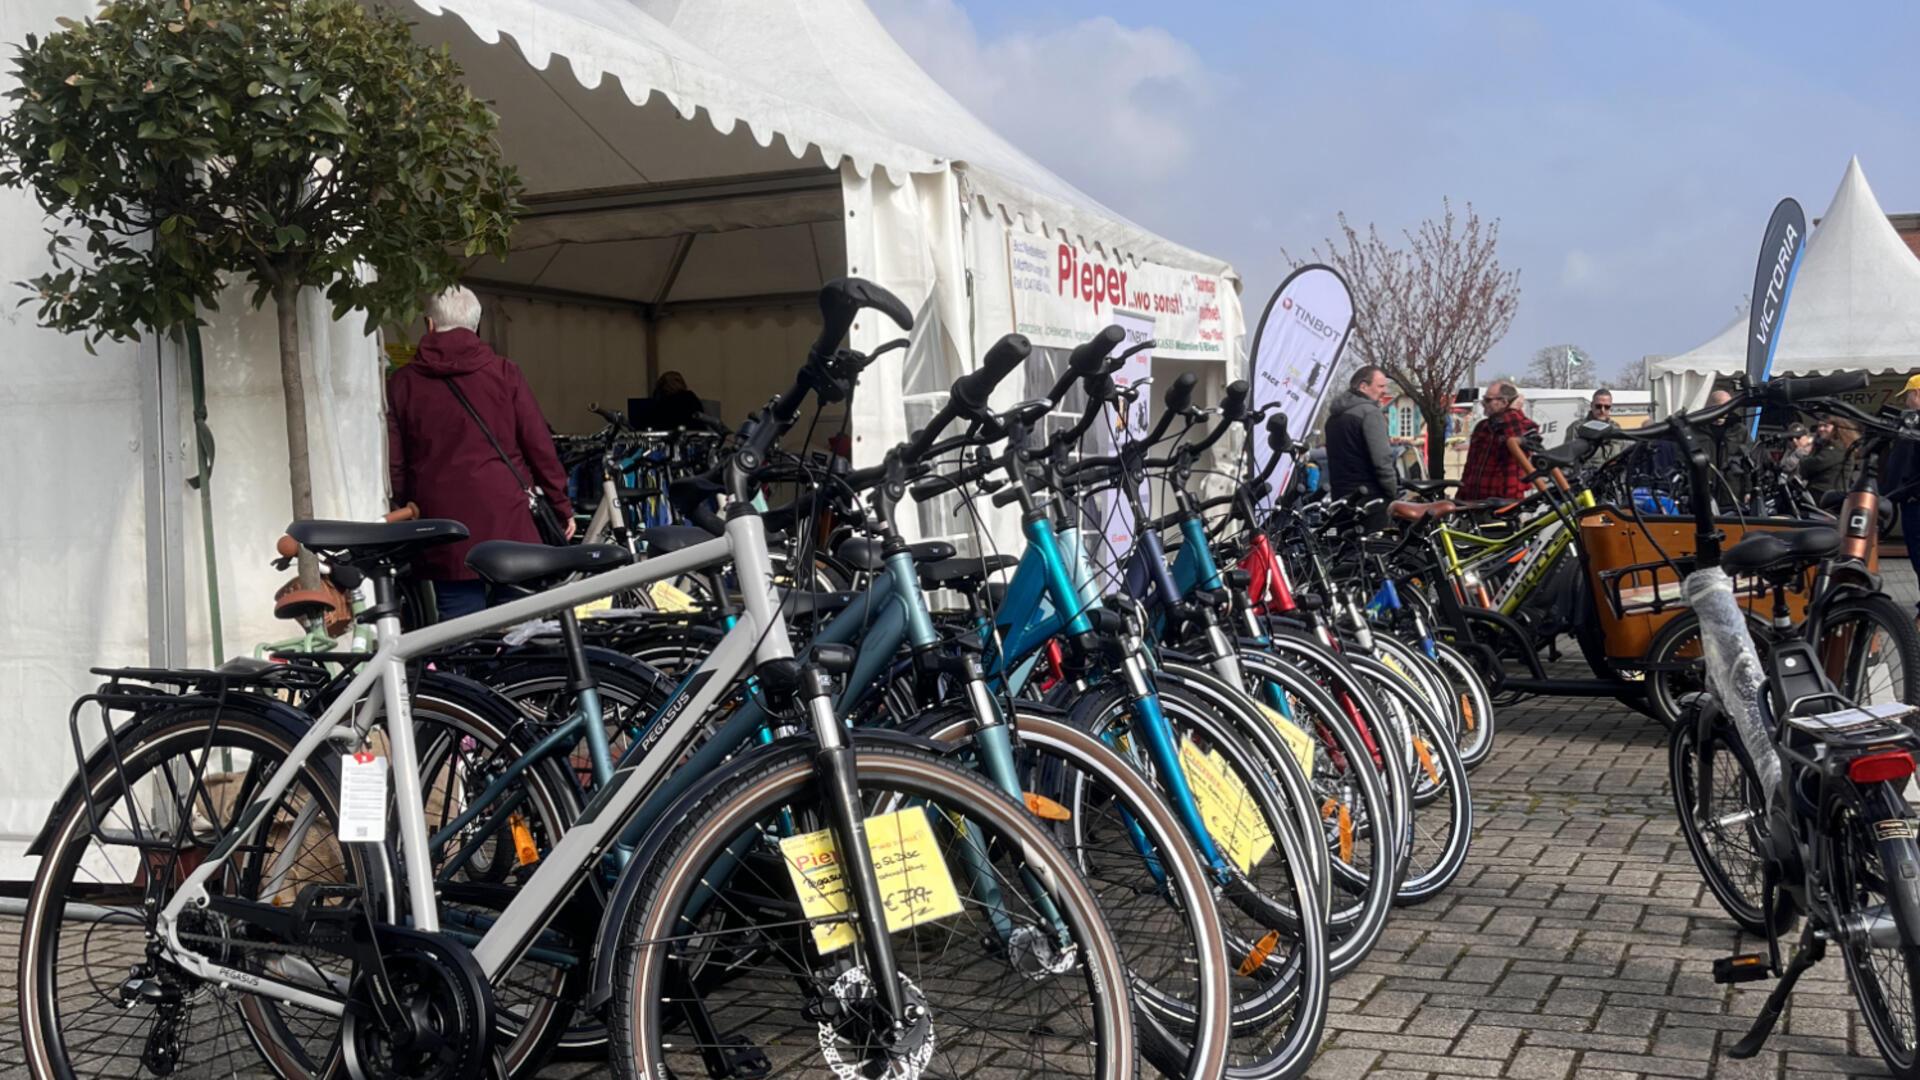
(1473, 704)
(1130, 848)
(721, 960)
(1883, 971)
(1442, 801)
(98, 996)
(1870, 648)
(1271, 907)
(1355, 816)
(1725, 831)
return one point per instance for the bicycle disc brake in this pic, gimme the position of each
(907, 1051)
(444, 1003)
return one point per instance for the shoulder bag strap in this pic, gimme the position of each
(525, 488)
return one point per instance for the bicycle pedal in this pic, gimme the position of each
(745, 1061)
(1747, 967)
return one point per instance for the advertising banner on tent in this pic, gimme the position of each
(1773, 278)
(1062, 296)
(1295, 351)
(1116, 514)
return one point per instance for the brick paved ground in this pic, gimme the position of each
(1577, 943)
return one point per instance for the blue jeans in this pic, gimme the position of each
(456, 598)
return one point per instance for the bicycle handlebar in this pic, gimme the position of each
(969, 393)
(1087, 361)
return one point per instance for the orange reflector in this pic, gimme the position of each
(1346, 834)
(1257, 956)
(1875, 768)
(1046, 809)
(524, 849)
(1421, 748)
(1466, 711)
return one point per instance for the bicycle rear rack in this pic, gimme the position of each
(137, 690)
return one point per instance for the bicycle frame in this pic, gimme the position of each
(760, 635)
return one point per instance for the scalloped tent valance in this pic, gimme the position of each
(823, 77)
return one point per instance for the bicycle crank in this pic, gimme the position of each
(419, 1008)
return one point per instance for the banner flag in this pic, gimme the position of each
(1772, 285)
(1295, 351)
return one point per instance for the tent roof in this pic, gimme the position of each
(1855, 305)
(822, 76)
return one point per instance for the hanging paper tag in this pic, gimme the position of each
(1231, 813)
(915, 884)
(1298, 741)
(363, 798)
(670, 599)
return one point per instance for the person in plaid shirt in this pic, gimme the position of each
(1492, 471)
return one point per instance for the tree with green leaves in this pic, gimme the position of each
(184, 145)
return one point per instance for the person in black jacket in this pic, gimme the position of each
(1359, 457)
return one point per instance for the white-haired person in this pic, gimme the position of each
(466, 441)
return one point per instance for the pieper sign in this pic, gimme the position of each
(1084, 279)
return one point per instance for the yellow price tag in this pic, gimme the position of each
(1231, 813)
(670, 599)
(593, 607)
(915, 884)
(1297, 740)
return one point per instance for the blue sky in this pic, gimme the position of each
(1632, 151)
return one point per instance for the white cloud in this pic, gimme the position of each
(1088, 98)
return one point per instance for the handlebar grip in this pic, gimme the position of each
(1180, 395)
(971, 391)
(1786, 391)
(1087, 360)
(841, 300)
(1277, 432)
(1234, 405)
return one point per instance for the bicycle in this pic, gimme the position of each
(1816, 796)
(402, 998)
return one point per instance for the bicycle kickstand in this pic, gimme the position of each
(1811, 950)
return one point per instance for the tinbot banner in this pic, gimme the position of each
(1295, 350)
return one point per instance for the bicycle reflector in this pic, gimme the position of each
(1877, 768)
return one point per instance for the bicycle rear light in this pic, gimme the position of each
(1876, 768)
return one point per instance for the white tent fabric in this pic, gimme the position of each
(1855, 307)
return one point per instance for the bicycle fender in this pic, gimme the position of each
(292, 724)
(626, 891)
(1894, 836)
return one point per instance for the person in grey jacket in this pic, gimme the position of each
(1359, 457)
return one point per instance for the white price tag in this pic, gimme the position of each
(363, 797)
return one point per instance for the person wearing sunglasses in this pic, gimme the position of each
(1492, 471)
(1601, 409)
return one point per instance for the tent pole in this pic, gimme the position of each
(203, 481)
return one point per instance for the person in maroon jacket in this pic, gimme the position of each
(438, 457)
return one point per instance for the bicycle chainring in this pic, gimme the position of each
(448, 1005)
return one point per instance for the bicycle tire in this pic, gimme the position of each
(1435, 774)
(1884, 974)
(1729, 848)
(147, 747)
(1848, 656)
(1475, 705)
(1285, 899)
(784, 778)
(1354, 808)
(1060, 761)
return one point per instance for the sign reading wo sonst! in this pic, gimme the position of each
(1063, 295)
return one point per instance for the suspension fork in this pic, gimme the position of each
(1152, 724)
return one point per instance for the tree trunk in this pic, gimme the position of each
(286, 297)
(1434, 423)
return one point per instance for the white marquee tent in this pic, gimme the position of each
(1855, 307)
(696, 169)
